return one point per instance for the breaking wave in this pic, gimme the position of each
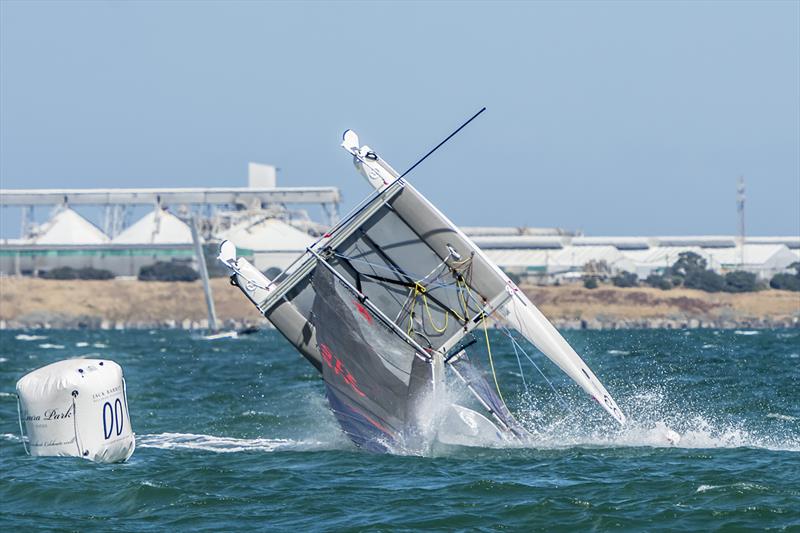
(655, 421)
(696, 433)
(212, 443)
(26, 337)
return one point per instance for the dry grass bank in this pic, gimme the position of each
(128, 301)
(645, 303)
(30, 301)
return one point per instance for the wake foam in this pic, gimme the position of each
(212, 443)
(740, 487)
(25, 337)
(654, 421)
(696, 434)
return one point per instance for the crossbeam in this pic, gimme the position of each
(151, 196)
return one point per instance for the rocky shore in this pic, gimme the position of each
(27, 303)
(54, 321)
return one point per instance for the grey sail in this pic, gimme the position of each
(371, 377)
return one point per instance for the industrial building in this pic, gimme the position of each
(264, 223)
(259, 219)
(555, 257)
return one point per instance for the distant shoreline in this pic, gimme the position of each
(31, 303)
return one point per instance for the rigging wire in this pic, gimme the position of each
(430, 316)
(421, 290)
(390, 269)
(516, 344)
(491, 361)
(519, 364)
(423, 158)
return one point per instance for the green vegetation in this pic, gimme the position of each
(786, 281)
(691, 271)
(590, 282)
(625, 279)
(164, 271)
(741, 281)
(688, 263)
(704, 280)
(659, 282)
(64, 273)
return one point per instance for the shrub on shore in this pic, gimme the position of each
(785, 281)
(658, 281)
(66, 273)
(166, 271)
(740, 281)
(690, 270)
(704, 280)
(625, 279)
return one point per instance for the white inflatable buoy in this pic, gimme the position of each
(76, 407)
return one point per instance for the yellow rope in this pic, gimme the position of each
(420, 289)
(491, 362)
(430, 317)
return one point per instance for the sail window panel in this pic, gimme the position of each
(392, 259)
(438, 232)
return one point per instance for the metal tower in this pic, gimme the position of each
(740, 197)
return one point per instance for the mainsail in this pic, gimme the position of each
(372, 381)
(386, 300)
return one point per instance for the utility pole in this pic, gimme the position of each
(740, 197)
(201, 262)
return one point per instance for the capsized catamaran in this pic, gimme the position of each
(385, 303)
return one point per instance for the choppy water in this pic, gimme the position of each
(235, 435)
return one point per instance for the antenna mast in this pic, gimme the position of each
(740, 197)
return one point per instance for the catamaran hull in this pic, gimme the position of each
(389, 294)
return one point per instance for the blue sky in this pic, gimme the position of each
(613, 118)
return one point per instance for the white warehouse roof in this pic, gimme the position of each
(570, 258)
(268, 234)
(68, 227)
(156, 227)
(496, 231)
(622, 243)
(756, 256)
(703, 241)
(654, 259)
(520, 241)
(791, 242)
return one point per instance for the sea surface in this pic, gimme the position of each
(236, 435)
